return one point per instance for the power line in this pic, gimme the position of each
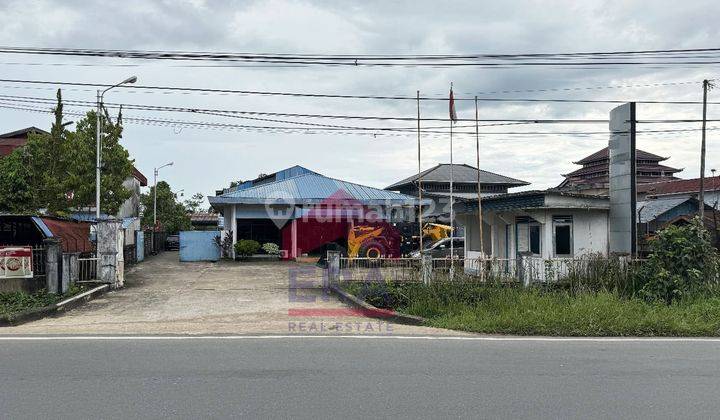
(306, 115)
(152, 88)
(276, 129)
(671, 57)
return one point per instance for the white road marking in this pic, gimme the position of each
(364, 337)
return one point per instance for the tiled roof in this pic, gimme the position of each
(22, 132)
(680, 186)
(604, 153)
(461, 174)
(605, 168)
(309, 188)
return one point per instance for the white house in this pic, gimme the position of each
(544, 224)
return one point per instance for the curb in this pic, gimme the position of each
(374, 312)
(54, 309)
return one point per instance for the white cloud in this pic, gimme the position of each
(209, 159)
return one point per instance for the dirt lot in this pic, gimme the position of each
(164, 296)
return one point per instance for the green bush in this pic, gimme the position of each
(271, 248)
(246, 247)
(682, 261)
(510, 309)
(13, 302)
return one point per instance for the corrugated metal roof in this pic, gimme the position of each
(74, 236)
(461, 174)
(309, 188)
(648, 211)
(520, 200)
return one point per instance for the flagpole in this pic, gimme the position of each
(452, 216)
(479, 189)
(420, 221)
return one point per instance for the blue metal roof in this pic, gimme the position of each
(310, 188)
(650, 210)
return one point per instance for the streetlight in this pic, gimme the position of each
(131, 79)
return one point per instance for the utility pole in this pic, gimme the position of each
(479, 194)
(97, 155)
(419, 181)
(701, 198)
(715, 207)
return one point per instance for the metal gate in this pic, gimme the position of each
(199, 246)
(139, 245)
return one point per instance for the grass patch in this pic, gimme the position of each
(15, 302)
(507, 309)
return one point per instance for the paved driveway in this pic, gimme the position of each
(164, 296)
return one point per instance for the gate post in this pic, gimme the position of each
(66, 270)
(333, 258)
(139, 245)
(52, 264)
(107, 251)
(426, 268)
(524, 272)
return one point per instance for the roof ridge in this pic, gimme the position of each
(313, 173)
(276, 181)
(414, 177)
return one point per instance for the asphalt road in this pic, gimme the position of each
(357, 377)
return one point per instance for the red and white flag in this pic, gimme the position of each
(453, 114)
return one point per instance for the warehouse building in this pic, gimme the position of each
(303, 211)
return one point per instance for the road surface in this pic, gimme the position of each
(357, 377)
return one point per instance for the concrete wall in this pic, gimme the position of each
(131, 206)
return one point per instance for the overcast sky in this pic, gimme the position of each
(206, 160)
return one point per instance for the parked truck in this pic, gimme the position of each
(386, 240)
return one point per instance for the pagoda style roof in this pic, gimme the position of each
(641, 167)
(462, 174)
(604, 153)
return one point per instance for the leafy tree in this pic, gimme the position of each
(115, 169)
(47, 161)
(171, 215)
(194, 203)
(16, 194)
(56, 171)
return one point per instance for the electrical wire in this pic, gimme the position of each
(152, 88)
(668, 57)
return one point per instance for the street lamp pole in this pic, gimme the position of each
(98, 131)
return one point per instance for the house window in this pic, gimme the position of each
(563, 226)
(528, 236)
(534, 233)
